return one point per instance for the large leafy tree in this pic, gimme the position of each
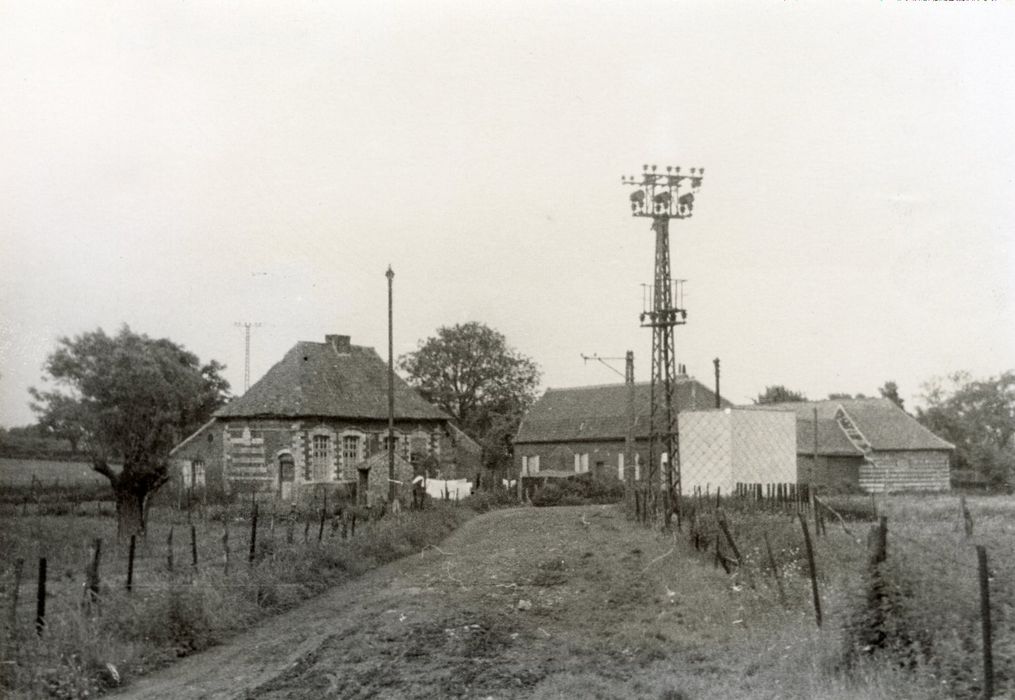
(130, 398)
(779, 394)
(978, 417)
(471, 372)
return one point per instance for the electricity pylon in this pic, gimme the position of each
(661, 197)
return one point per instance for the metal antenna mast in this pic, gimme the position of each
(661, 197)
(246, 326)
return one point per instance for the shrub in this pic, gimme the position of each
(576, 491)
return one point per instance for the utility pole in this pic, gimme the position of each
(246, 326)
(661, 197)
(629, 434)
(391, 391)
(718, 401)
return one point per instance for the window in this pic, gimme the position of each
(321, 457)
(350, 450)
(620, 466)
(387, 443)
(534, 464)
(581, 462)
(530, 465)
(637, 466)
(197, 473)
(185, 475)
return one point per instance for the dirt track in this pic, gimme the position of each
(557, 602)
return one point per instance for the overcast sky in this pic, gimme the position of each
(181, 166)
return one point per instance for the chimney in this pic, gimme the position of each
(339, 342)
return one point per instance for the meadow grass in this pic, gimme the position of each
(928, 622)
(85, 649)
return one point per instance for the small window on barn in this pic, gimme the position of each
(620, 466)
(534, 464)
(197, 473)
(185, 474)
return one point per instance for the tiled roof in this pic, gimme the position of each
(600, 412)
(885, 425)
(831, 439)
(314, 379)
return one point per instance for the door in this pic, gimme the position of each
(286, 476)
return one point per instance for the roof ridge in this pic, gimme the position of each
(611, 385)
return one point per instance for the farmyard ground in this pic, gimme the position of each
(551, 602)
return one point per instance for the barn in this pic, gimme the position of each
(582, 429)
(868, 445)
(319, 417)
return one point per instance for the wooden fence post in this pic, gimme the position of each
(967, 519)
(813, 570)
(92, 594)
(169, 550)
(775, 570)
(40, 598)
(988, 658)
(291, 524)
(253, 534)
(271, 528)
(225, 543)
(19, 566)
(193, 546)
(130, 564)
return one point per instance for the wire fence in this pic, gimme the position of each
(934, 587)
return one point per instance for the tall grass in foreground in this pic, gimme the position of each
(926, 625)
(84, 650)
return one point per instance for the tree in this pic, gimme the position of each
(978, 417)
(131, 398)
(837, 395)
(471, 372)
(62, 418)
(779, 394)
(890, 390)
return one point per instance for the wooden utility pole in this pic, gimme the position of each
(391, 391)
(718, 401)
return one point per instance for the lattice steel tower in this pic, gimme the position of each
(661, 197)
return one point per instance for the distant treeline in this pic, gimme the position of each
(33, 442)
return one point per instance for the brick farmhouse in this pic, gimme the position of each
(319, 417)
(582, 429)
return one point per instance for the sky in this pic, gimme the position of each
(183, 166)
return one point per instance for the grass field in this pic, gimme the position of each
(171, 613)
(20, 472)
(632, 611)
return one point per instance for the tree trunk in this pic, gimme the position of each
(130, 519)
